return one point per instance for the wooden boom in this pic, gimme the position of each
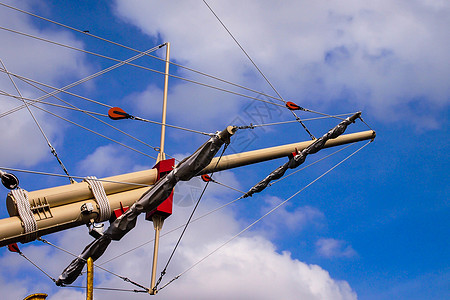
(59, 208)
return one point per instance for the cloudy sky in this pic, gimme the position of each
(376, 227)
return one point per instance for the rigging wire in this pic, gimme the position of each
(101, 72)
(168, 125)
(89, 114)
(259, 70)
(76, 177)
(142, 67)
(52, 149)
(138, 51)
(106, 289)
(17, 250)
(171, 231)
(92, 131)
(262, 217)
(26, 80)
(220, 207)
(187, 223)
(259, 125)
(126, 279)
(173, 63)
(173, 76)
(227, 186)
(368, 126)
(252, 126)
(71, 28)
(4, 93)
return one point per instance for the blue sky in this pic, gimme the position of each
(374, 228)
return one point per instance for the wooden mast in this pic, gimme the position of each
(157, 219)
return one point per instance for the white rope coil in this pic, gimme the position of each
(100, 196)
(25, 213)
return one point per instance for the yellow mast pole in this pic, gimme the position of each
(161, 155)
(90, 279)
(158, 221)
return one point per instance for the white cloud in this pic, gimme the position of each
(36, 59)
(249, 267)
(16, 289)
(385, 57)
(334, 248)
(286, 218)
(40, 61)
(246, 268)
(106, 161)
(69, 294)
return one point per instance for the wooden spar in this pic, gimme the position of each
(54, 219)
(59, 208)
(261, 155)
(76, 192)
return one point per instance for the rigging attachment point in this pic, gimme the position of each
(206, 178)
(116, 113)
(14, 248)
(292, 106)
(9, 181)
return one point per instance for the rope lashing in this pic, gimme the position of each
(25, 213)
(100, 196)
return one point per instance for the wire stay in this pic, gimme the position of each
(138, 51)
(17, 250)
(76, 177)
(57, 90)
(90, 114)
(32, 102)
(126, 279)
(161, 59)
(171, 75)
(94, 132)
(52, 149)
(4, 93)
(105, 289)
(220, 207)
(259, 70)
(262, 217)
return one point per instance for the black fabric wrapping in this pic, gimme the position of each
(300, 157)
(149, 201)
